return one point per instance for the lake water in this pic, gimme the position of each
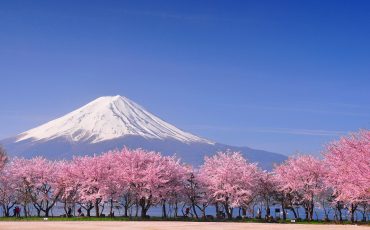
(157, 212)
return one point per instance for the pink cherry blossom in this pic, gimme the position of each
(231, 180)
(348, 164)
(8, 196)
(37, 178)
(303, 178)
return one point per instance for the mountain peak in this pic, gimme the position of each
(108, 118)
(108, 100)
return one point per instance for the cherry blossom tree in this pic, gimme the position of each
(226, 179)
(38, 178)
(113, 185)
(174, 174)
(122, 178)
(302, 177)
(231, 180)
(130, 176)
(8, 196)
(22, 187)
(68, 186)
(137, 167)
(196, 192)
(325, 201)
(147, 188)
(150, 178)
(91, 174)
(267, 187)
(348, 163)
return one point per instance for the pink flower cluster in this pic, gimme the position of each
(139, 179)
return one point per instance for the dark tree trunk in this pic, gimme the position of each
(48, 207)
(25, 210)
(126, 210)
(309, 208)
(38, 210)
(195, 211)
(164, 213)
(137, 209)
(65, 208)
(47, 212)
(352, 212)
(244, 213)
(88, 211)
(97, 208)
(143, 212)
(229, 211)
(111, 208)
(204, 213)
(7, 212)
(283, 209)
(340, 213)
(311, 211)
(294, 213)
(145, 205)
(176, 209)
(268, 211)
(7, 209)
(306, 213)
(102, 209)
(217, 210)
(363, 216)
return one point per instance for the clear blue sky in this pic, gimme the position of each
(283, 76)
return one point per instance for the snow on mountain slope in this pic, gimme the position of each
(108, 118)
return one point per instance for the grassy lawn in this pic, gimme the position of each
(168, 219)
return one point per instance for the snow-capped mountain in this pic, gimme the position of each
(114, 122)
(108, 118)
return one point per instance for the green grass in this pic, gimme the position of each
(168, 219)
(34, 218)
